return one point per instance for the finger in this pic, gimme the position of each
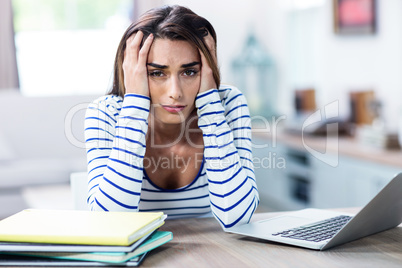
(210, 42)
(133, 46)
(143, 54)
(204, 62)
(207, 79)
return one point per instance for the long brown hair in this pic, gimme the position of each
(170, 22)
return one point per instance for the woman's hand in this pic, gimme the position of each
(135, 64)
(207, 78)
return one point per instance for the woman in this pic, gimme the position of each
(168, 137)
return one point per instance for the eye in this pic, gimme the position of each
(190, 72)
(156, 73)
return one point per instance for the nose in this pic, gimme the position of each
(175, 89)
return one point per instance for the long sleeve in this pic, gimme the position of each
(226, 126)
(115, 131)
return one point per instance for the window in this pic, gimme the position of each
(67, 47)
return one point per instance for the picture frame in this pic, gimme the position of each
(355, 17)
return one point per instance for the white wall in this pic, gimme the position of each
(307, 51)
(337, 64)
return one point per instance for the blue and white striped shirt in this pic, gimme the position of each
(115, 133)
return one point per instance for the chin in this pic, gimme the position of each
(173, 121)
(167, 118)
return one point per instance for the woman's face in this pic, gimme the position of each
(174, 79)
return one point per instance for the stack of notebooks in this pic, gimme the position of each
(79, 238)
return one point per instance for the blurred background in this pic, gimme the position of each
(340, 60)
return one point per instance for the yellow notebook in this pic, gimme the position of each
(79, 227)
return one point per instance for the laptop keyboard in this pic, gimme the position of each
(317, 231)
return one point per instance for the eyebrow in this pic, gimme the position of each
(190, 64)
(159, 66)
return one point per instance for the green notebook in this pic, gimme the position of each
(157, 239)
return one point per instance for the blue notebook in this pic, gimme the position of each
(24, 261)
(157, 239)
(46, 247)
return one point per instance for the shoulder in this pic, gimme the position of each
(231, 96)
(226, 89)
(106, 108)
(107, 102)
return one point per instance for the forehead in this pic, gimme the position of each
(171, 53)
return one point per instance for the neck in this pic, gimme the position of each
(162, 133)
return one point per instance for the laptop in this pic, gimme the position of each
(323, 229)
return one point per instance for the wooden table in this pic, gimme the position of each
(202, 243)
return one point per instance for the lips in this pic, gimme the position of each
(174, 108)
